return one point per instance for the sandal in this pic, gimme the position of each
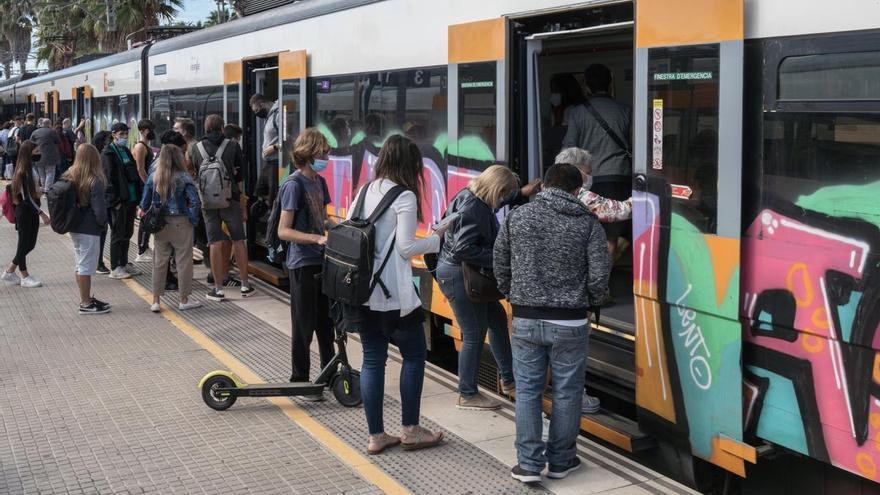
(388, 441)
(420, 438)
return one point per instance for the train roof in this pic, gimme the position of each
(276, 17)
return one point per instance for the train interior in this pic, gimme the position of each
(554, 51)
(260, 77)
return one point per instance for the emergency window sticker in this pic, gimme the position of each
(657, 136)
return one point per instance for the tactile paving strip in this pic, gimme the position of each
(457, 467)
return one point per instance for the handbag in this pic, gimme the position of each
(154, 219)
(480, 284)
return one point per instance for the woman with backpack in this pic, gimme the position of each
(171, 194)
(87, 177)
(398, 315)
(26, 198)
(468, 245)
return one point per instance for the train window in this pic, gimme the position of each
(830, 76)
(232, 102)
(823, 161)
(160, 111)
(683, 84)
(477, 111)
(196, 104)
(366, 109)
(291, 111)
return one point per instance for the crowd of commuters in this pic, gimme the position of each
(550, 256)
(118, 182)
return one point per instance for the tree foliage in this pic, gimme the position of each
(66, 29)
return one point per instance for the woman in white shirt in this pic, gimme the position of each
(399, 316)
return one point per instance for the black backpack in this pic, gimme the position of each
(348, 255)
(64, 213)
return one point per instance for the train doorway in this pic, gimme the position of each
(553, 51)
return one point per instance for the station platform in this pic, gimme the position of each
(110, 404)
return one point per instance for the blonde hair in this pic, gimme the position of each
(494, 184)
(85, 172)
(169, 166)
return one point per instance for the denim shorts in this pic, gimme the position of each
(86, 249)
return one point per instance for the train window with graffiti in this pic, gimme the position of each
(358, 112)
(476, 112)
(830, 76)
(683, 105)
(824, 162)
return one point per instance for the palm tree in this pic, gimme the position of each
(219, 17)
(16, 26)
(68, 29)
(6, 58)
(238, 7)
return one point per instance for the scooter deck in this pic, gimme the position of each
(274, 390)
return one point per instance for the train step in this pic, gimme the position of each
(615, 429)
(268, 273)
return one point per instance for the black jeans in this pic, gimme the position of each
(27, 222)
(309, 314)
(120, 234)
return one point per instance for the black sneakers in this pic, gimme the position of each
(215, 295)
(247, 291)
(559, 472)
(99, 302)
(93, 309)
(102, 269)
(525, 475)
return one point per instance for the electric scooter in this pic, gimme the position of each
(220, 389)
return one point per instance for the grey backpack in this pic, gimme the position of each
(215, 184)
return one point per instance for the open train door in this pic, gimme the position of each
(686, 226)
(82, 108)
(232, 92)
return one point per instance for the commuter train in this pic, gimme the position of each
(745, 320)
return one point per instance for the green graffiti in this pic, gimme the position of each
(849, 201)
(323, 129)
(441, 143)
(473, 148)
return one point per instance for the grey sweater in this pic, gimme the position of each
(551, 258)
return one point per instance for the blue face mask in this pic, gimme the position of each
(122, 142)
(319, 165)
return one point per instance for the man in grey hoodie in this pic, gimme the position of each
(551, 261)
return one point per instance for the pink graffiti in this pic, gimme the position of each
(338, 177)
(781, 253)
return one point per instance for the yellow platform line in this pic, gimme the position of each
(319, 432)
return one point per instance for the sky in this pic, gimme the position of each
(196, 10)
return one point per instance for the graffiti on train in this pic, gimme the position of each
(811, 311)
(689, 340)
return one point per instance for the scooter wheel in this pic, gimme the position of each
(218, 401)
(347, 387)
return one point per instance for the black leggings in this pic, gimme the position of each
(27, 222)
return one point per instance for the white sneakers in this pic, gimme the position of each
(10, 278)
(155, 308)
(119, 273)
(144, 257)
(191, 304)
(13, 279)
(31, 282)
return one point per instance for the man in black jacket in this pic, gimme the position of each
(123, 193)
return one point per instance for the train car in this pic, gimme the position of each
(746, 309)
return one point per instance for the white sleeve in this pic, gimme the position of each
(407, 224)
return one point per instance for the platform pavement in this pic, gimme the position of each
(83, 426)
(109, 404)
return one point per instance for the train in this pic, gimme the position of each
(747, 309)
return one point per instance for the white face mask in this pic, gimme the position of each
(555, 99)
(588, 184)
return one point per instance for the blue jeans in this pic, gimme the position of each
(535, 345)
(410, 342)
(473, 320)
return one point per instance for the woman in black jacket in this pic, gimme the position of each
(470, 240)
